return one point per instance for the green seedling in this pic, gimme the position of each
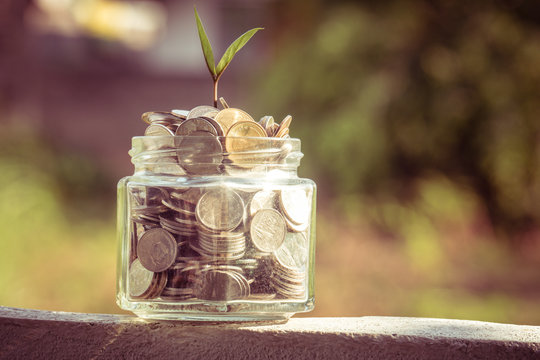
(217, 71)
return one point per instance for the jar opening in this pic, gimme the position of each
(205, 154)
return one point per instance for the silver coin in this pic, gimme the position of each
(267, 122)
(160, 280)
(168, 165)
(264, 199)
(201, 111)
(180, 113)
(140, 279)
(295, 205)
(219, 286)
(171, 205)
(151, 117)
(296, 227)
(157, 130)
(221, 209)
(267, 230)
(215, 124)
(157, 249)
(200, 153)
(197, 124)
(293, 253)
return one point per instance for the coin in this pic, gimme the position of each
(214, 123)
(267, 230)
(273, 129)
(223, 103)
(296, 227)
(180, 113)
(158, 283)
(220, 209)
(161, 116)
(227, 117)
(283, 134)
(158, 130)
(267, 122)
(157, 249)
(243, 129)
(241, 147)
(201, 153)
(200, 111)
(295, 205)
(284, 127)
(140, 279)
(168, 165)
(198, 125)
(262, 200)
(219, 286)
(293, 253)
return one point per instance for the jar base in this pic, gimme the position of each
(198, 317)
(216, 311)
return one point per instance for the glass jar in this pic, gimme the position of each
(208, 234)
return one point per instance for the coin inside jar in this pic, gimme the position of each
(140, 279)
(220, 209)
(267, 230)
(262, 200)
(157, 249)
(295, 205)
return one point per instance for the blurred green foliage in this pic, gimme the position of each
(385, 94)
(56, 252)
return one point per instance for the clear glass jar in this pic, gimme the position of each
(208, 234)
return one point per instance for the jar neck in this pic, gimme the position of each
(196, 156)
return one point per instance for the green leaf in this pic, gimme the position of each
(233, 49)
(206, 47)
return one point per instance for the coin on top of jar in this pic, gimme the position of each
(228, 117)
(202, 110)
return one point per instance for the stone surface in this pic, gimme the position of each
(34, 334)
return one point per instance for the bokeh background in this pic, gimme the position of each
(419, 121)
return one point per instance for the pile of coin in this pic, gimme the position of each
(218, 243)
(211, 240)
(210, 141)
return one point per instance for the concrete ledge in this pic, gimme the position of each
(34, 334)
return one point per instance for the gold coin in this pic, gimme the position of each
(284, 127)
(234, 140)
(228, 117)
(239, 142)
(246, 129)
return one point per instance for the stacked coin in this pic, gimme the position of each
(290, 266)
(222, 283)
(192, 232)
(179, 283)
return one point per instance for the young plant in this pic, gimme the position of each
(217, 71)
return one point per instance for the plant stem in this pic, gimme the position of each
(215, 91)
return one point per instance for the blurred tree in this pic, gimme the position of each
(386, 93)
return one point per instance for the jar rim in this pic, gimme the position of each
(211, 154)
(258, 138)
